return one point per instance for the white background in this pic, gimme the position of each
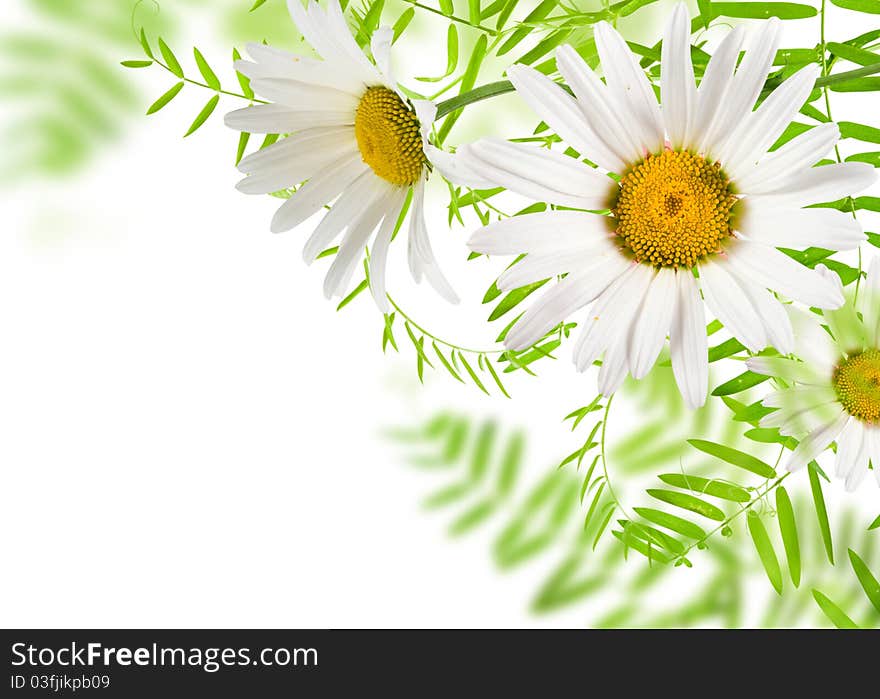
(192, 436)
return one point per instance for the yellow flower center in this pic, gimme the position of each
(673, 209)
(857, 382)
(388, 137)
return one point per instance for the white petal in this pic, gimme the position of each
(614, 363)
(426, 111)
(869, 304)
(759, 130)
(849, 448)
(777, 271)
(652, 323)
(557, 303)
(677, 89)
(844, 323)
(599, 108)
(536, 267)
(814, 345)
(342, 35)
(820, 184)
(544, 232)
(799, 228)
(716, 83)
(272, 62)
(729, 303)
(538, 173)
(687, 342)
(313, 33)
(300, 96)
(380, 46)
(745, 87)
(357, 197)
(293, 162)
(612, 313)
(816, 442)
(630, 87)
(351, 249)
(801, 152)
(769, 312)
(320, 190)
(279, 118)
(787, 369)
(562, 113)
(456, 169)
(309, 143)
(379, 253)
(421, 255)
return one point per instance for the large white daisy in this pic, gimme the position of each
(694, 190)
(833, 394)
(355, 140)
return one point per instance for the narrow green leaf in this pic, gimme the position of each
(451, 55)
(740, 383)
(866, 579)
(671, 522)
(734, 457)
(445, 363)
(170, 59)
(687, 502)
(788, 530)
(203, 115)
(860, 132)
(764, 10)
(496, 378)
(243, 80)
(539, 13)
(473, 375)
(821, 511)
(704, 486)
(725, 349)
(870, 6)
(209, 75)
(257, 4)
(403, 22)
(136, 64)
(765, 550)
(513, 298)
(243, 139)
(145, 44)
(875, 524)
(165, 99)
(353, 295)
(837, 616)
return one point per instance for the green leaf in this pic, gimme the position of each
(765, 550)
(860, 132)
(445, 363)
(243, 139)
(243, 80)
(866, 579)
(671, 522)
(875, 524)
(687, 502)
(145, 44)
(136, 64)
(203, 115)
(740, 383)
(165, 99)
(468, 79)
(209, 75)
(539, 13)
(788, 530)
(170, 59)
(821, 511)
(734, 457)
(725, 349)
(837, 616)
(870, 6)
(353, 295)
(514, 298)
(473, 375)
(763, 10)
(257, 4)
(697, 484)
(853, 54)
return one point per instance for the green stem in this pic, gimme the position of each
(611, 492)
(501, 87)
(453, 18)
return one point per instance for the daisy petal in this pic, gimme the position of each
(456, 169)
(817, 441)
(849, 448)
(786, 369)
(538, 173)
(420, 254)
(820, 184)
(279, 118)
(716, 82)
(652, 323)
(300, 96)
(677, 89)
(379, 253)
(545, 232)
(770, 313)
(775, 270)
(799, 228)
(536, 267)
(729, 303)
(687, 342)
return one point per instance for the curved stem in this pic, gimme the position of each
(453, 18)
(605, 463)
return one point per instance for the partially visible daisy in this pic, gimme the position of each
(835, 391)
(353, 138)
(695, 192)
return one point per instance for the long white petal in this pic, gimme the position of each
(770, 313)
(379, 253)
(629, 85)
(820, 184)
(759, 130)
(729, 303)
(688, 344)
(538, 173)
(536, 267)
(298, 165)
(816, 442)
(279, 118)
(677, 89)
(562, 113)
(557, 303)
(544, 232)
(598, 107)
(849, 447)
(301, 96)
(799, 228)
(272, 62)
(652, 323)
(421, 254)
(380, 46)
(787, 369)
(456, 169)
(614, 364)
(716, 83)
(777, 271)
(320, 190)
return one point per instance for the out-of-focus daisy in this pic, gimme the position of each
(353, 138)
(695, 190)
(834, 393)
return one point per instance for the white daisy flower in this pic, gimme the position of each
(353, 138)
(695, 189)
(835, 391)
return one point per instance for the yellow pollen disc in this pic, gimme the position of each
(857, 382)
(388, 136)
(673, 209)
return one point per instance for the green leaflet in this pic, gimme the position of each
(788, 531)
(208, 74)
(763, 10)
(734, 457)
(837, 616)
(866, 578)
(704, 486)
(765, 550)
(687, 502)
(870, 6)
(165, 99)
(203, 115)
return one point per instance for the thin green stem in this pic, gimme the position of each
(611, 492)
(453, 18)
